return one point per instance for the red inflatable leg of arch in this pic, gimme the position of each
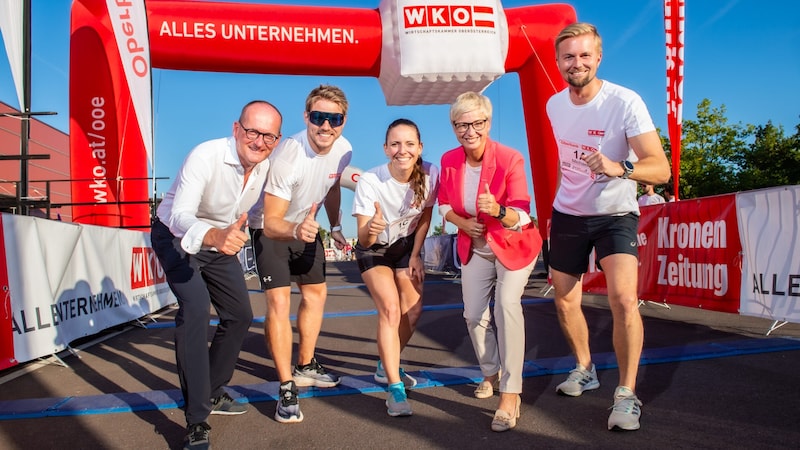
(276, 39)
(533, 57)
(108, 157)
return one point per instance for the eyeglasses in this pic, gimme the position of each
(319, 117)
(253, 134)
(477, 125)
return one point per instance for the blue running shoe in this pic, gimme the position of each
(380, 376)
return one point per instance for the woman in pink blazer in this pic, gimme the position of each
(483, 191)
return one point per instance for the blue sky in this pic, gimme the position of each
(735, 49)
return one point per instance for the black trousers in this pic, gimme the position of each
(199, 281)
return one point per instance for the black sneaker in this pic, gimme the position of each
(288, 408)
(197, 437)
(226, 405)
(313, 374)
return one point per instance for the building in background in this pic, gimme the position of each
(48, 186)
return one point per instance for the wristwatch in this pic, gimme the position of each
(501, 214)
(627, 166)
(336, 228)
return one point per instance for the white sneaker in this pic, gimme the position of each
(579, 380)
(313, 374)
(626, 410)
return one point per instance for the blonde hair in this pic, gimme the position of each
(470, 101)
(327, 92)
(578, 29)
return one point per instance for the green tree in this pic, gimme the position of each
(438, 230)
(771, 160)
(709, 152)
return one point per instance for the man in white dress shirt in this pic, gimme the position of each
(196, 235)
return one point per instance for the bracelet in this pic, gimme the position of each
(336, 228)
(294, 232)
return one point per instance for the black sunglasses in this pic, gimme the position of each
(319, 117)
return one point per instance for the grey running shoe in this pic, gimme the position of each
(579, 380)
(226, 405)
(313, 374)
(288, 408)
(397, 403)
(626, 410)
(380, 377)
(197, 437)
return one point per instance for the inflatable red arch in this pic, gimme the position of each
(110, 112)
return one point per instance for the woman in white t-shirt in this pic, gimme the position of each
(393, 204)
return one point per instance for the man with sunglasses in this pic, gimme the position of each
(305, 175)
(197, 234)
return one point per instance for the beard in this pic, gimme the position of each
(580, 82)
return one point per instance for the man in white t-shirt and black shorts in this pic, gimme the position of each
(304, 176)
(606, 143)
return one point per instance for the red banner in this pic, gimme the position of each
(7, 358)
(689, 254)
(108, 147)
(257, 38)
(673, 25)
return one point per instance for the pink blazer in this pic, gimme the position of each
(503, 168)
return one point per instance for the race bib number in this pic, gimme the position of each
(398, 228)
(576, 163)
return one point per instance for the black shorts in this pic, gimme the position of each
(279, 263)
(573, 237)
(395, 256)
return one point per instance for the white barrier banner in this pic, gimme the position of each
(769, 224)
(68, 281)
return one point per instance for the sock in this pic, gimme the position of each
(398, 391)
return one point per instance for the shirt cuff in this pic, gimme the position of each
(524, 219)
(192, 241)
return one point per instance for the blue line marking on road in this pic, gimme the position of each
(434, 377)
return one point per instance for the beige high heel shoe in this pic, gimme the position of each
(504, 421)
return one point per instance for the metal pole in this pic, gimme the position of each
(26, 107)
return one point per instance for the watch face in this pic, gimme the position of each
(627, 167)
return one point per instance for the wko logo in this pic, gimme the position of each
(449, 16)
(145, 268)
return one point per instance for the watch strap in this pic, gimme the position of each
(501, 214)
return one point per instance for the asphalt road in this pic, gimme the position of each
(707, 380)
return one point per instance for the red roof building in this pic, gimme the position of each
(48, 179)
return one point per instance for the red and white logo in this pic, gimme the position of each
(145, 268)
(597, 133)
(425, 16)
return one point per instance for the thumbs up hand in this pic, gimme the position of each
(228, 240)
(377, 224)
(307, 230)
(487, 204)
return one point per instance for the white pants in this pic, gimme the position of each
(505, 350)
